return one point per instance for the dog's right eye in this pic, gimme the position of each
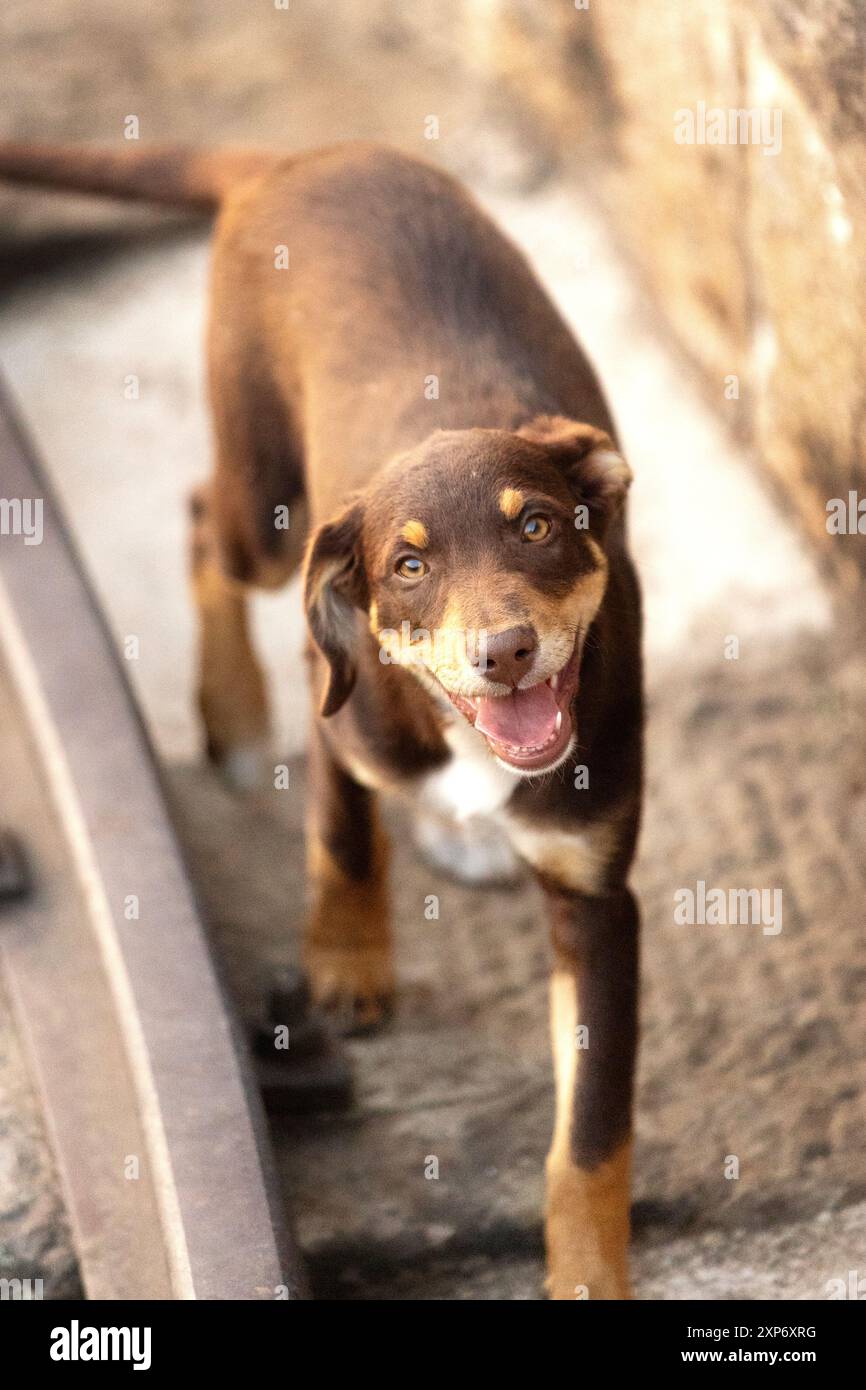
(410, 567)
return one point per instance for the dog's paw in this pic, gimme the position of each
(474, 851)
(355, 988)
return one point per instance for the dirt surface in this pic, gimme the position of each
(35, 1239)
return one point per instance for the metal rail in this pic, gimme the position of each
(156, 1126)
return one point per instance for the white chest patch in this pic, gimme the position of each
(472, 783)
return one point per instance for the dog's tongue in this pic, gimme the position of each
(523, 719)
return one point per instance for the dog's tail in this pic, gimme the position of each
(169, 174)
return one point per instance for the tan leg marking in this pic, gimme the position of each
(348, 946)
(587, 1211)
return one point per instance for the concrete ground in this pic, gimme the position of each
(752, 1043)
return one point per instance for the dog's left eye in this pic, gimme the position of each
(410, 567)
(536, 528)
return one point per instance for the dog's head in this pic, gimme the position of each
(479, 561)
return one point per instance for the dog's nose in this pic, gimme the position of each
(509, 654)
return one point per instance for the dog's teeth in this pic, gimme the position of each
(558, 724)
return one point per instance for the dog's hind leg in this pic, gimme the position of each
(249, 527)
(347, 950)
(232, 697)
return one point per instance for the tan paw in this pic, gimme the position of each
(354, 987)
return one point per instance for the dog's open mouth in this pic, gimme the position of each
(531, 729)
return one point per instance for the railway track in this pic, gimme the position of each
(151, 1107)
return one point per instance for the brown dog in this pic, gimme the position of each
(381, 357)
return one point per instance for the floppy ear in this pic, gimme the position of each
(596, 469)
(335, 587)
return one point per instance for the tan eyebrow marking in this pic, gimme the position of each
(511, 502)
(415, 532)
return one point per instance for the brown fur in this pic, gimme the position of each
(317, 379)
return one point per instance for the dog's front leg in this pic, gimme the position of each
(594, 1034)
(347, 949)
